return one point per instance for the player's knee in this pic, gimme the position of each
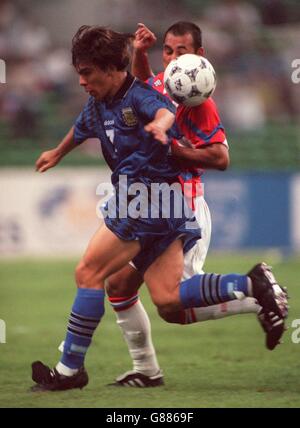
(112, 288)
(81, 274)
(125, 282)
(165, 296)
(87, 276)
(170, 317)
(165, 302)
(117, 287)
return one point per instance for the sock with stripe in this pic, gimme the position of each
(87, 311)
(211, 289)
(136, 328)
(222, 310)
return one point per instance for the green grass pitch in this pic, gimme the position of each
(220, 363)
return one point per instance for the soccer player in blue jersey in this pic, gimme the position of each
(143, 125)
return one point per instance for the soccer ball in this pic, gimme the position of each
(190, 79)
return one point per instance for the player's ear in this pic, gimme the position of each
(200, 51)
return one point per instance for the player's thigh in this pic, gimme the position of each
(106, 253)
(125, 282)
(164, 275)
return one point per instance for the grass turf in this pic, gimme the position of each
(214, 364)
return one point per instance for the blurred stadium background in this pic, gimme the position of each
(255, 205)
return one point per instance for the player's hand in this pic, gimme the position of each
(158, 133)
(144, 38)
(47, 160)
(178, 148)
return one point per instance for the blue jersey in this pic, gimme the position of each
(132, 152)
(119, 124)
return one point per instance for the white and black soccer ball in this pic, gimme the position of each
(190, 79)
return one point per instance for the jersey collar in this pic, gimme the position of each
(124, 88)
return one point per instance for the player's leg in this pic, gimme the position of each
(106, 254)
(163, 279)
(122, 288)
(169, 295)
(193, 264)
(133, 319)
(136, 325)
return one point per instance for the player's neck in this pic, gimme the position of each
(118, 81)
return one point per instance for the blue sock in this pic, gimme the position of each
(87, 311)
(211, 289)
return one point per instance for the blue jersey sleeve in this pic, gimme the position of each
(84, 127)
(148, 102)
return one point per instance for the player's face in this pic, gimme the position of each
(175, 46)
(96, 82)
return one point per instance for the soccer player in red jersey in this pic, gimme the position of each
(204, 147)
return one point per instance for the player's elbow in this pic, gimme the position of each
(223, 161)
(223, 165)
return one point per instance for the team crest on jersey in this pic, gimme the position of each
(129, 117)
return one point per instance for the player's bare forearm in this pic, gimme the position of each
(144, 40)
(213, 156)
(67, 144)
(164, 118)
(140, 66)
(162, 122)
(52, 157)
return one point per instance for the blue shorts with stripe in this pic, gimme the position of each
(155, 234)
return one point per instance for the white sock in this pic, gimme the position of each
(136, 328)
(233, 307)
(64, 370)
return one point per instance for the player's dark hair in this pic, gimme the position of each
(181, 28)
(102, 47)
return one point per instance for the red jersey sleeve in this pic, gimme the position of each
(157, 82)
(201, 125)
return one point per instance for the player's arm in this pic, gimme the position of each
(205, 145)
(163, 120)
(52, 157)
(144, 40)
(79, 133)
(212, 156)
